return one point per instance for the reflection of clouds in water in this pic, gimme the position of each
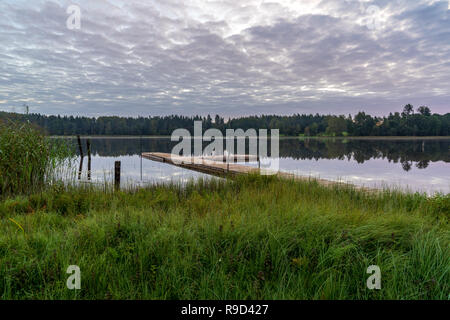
(372, 173)
(439, 181)
(361, 178)
(152, 172)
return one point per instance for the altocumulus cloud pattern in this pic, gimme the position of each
(229, 57)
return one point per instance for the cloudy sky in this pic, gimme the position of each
(230, 57)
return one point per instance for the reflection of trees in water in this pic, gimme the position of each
(423, 164)
(108, 147)
(115, 147)
(407, 165)
(406, 152)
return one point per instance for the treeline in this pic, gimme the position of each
(407, 123)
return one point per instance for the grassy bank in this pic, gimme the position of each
(255, 238)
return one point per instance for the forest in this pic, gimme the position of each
(409, 122)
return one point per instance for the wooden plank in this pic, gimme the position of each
(204, 164)
(233, 158)
(223, 169)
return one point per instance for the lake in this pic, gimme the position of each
(409, 164)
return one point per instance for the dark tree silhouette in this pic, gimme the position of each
(408, 110)
(422, 123)
(424, 110)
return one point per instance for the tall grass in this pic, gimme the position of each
(27, 158)
(254, 238)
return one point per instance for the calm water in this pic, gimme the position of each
(418, 165)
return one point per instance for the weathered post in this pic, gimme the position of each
(81, 157)
(140, 143)
(88, 144)
(117, 175)
(79, 145)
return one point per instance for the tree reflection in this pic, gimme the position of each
(407, 152)
(407, 165)
(423, 164)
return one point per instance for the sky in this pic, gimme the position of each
(230, 57)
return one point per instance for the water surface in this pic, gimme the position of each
(410, 164)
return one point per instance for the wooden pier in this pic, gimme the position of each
(212, 166)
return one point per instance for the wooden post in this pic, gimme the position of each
(79, 145)
(117, 175)
(88, 144)
(80, 169)
(140, 144)
(81, 157)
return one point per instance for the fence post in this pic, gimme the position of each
(117, 175)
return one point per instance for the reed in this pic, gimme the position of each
(28, 159)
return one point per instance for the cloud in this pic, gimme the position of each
(227, 57)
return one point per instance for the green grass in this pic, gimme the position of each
(253, 238)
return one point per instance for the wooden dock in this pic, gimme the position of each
(212, 166)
